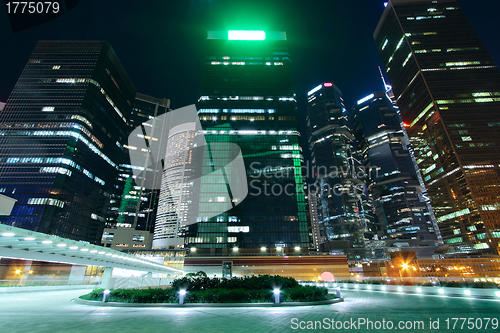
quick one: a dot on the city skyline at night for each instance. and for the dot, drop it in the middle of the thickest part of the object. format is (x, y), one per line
(264, 166)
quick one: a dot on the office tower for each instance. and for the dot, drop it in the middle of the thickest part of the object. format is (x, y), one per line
(176, 189)
(247, 98)
(343, 208)
(447, 88)
(133, 205)
(61, 132)
(393, 184)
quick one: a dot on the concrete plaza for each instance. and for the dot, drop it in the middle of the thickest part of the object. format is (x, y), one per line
(53, 311)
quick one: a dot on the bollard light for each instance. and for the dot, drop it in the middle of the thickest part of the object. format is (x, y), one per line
(276, 293)
(400, 289)
(467, 292)
(105, 295)
(338, 292)
(441, 291)
(497, 293)
(182, 296)
(419, 290)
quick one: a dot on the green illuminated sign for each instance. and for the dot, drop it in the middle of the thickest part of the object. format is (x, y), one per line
(246, 35)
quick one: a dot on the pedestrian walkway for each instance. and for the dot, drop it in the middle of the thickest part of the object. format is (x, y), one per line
(53, 311)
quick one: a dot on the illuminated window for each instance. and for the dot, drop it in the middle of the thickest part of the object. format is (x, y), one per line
(385, 44)
(400, 42)
(138, 238)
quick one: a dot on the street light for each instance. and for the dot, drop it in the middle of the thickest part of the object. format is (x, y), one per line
(405, 267)
(19, 272)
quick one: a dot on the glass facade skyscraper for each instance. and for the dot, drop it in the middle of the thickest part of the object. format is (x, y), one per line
(393, 184)
(61, 137)
(132, 204)
(344, 211)
(248, 98)
(447, 88)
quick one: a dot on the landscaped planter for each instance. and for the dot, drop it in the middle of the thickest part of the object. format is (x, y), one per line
(263, 290)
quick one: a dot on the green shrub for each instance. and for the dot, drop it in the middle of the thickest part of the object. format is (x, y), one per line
(201, 289)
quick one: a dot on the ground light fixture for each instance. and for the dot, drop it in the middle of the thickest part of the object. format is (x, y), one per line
(276, 293)
(338, 292)
(182, 296)
(105, 295)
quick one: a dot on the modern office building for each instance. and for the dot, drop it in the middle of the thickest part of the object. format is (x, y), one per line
(61, 133)
(403, 216)
(248, 98)
(133, 205)
(176, 189)
(343, 208)
(447, 88)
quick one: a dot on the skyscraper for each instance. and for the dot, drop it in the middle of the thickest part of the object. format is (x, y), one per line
(60, 137)
(133, 205)
(448, 91)
(343, 208)
(247, 98)
(393, 184)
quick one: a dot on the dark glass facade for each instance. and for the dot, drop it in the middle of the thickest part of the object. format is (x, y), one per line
(61, 134)
(398, 198)
(248, 98)
(132, 205)
(448, 90)
(344, 211)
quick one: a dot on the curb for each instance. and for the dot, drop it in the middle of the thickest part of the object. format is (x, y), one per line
(45, 288)
(204, 305)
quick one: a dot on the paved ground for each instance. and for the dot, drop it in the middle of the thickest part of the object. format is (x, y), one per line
(53, 311)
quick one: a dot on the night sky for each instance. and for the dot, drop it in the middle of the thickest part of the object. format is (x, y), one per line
(160, 43)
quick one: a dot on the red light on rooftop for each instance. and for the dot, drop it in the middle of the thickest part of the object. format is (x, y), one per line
(327, 84)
